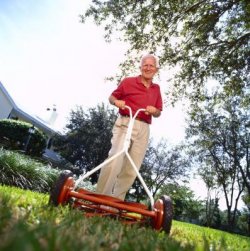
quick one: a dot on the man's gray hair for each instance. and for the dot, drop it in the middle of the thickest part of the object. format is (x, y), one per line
(151, 56)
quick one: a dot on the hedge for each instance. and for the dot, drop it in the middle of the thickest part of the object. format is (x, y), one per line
(14, 135)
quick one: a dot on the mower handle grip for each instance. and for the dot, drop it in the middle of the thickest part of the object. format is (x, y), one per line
(130, 111)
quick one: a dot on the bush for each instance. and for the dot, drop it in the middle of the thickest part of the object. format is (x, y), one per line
(21, 171)
(14, 135)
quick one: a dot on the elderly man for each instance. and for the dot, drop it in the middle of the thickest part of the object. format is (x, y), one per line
(117, 177)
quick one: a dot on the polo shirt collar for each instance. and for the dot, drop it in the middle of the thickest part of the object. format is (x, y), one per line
(138, 80)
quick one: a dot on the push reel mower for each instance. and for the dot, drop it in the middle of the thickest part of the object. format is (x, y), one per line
(67, 191)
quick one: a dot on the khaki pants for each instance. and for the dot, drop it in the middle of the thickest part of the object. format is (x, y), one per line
(118, 176)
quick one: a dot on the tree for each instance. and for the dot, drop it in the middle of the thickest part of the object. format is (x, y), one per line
(211, 216)
(200, 39)
(245, 218)
(162, 164)
(219, 129)
(186, 206)
(87, 140)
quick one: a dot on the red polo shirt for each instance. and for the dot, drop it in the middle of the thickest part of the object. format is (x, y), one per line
(137, 96)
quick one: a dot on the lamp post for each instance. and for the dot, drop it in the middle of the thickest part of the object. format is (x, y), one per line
(31, 132)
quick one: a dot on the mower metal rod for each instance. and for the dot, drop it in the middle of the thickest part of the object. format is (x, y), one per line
(130, 216)
(114, 204)
(89, 173)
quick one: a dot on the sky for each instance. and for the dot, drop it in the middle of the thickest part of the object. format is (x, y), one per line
(47, 57)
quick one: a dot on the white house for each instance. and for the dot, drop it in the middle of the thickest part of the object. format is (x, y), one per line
(9, 110)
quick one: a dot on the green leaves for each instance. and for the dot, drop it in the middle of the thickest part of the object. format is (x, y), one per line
(87, 140)
(21, 171)
(212, 38)
(14, 135)
(218, 128)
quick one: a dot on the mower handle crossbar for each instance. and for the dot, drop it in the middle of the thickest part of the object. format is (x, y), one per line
(123, 151)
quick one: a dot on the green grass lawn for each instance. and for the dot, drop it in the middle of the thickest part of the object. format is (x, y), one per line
(27, 223)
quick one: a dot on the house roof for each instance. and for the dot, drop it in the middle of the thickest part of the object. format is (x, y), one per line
(7, 95)
(36, 121)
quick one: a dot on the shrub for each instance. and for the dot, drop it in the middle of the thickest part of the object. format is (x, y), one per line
(14, 135)
(21, 171)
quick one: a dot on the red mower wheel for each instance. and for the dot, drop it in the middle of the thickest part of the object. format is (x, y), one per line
(164, 210)
(168, 213)
(59, 193)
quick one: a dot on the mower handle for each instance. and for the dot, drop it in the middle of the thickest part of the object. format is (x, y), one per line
(124, 150)
(126, 147)
(137, 112)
